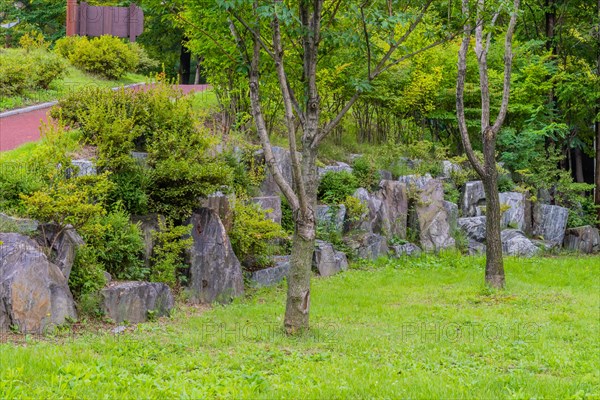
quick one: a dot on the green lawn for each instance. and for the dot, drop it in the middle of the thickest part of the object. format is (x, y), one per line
(73, 80)
(426, 328)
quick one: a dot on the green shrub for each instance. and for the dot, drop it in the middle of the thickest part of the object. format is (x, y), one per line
(169, 251)
(45, 68)
(118, 245)
(65, 46)
(107, 56)
(366, 173)
(251, 233)
(131, 189)
(87, 275)
(145, 64)
(336, 186)
(13, 74)
(355, 209)
(287, 216)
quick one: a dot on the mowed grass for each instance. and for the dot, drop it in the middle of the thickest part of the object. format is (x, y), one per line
(426, 328)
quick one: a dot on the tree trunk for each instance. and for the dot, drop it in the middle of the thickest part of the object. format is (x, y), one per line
(578, 166)
(185, 60)
(494, 264)
(303, 246)
(197, 76)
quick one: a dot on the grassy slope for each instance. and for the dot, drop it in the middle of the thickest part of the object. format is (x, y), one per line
(73, 80)
(424, 330)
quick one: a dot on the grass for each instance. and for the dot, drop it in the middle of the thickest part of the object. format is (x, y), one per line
(422, 328)
(73, 80)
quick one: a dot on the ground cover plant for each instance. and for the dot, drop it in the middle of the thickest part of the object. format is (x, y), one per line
(432, 331)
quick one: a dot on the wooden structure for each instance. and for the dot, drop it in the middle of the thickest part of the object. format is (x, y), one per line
(86, 20)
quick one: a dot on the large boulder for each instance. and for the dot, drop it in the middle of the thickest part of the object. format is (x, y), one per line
(518, 215)
(515, 243)
(431, 218)
(406, 249)
(327, 260)
(15, 224)
(364, 222)
(272, 204)
(34, 294)
(448, 168)
(550, 223)
(584, 239)
(472, 199)
(366, 245)
(64, 244)
(148, 224)
(283, 161)
(331, 217)
(273, 275)
(221, 204)
(474, 227)
(133, 301)
(391, 216)
(385, 175)
(337, 167)
(452, 210)
(215, 271)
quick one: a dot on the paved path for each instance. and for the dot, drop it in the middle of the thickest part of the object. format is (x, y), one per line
(22, 126)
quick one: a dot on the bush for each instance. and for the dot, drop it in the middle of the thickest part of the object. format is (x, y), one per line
(65, 46)
(366, 173)
(336, 186)
(45, 68)
(87, 274)
(13, 74)
(107, 56)
(251, 233)
(145, 64)
(118, 245)
(169, 251)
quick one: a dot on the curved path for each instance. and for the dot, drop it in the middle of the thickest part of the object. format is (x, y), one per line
(23, 125)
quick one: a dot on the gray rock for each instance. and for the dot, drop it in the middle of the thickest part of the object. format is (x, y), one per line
(385, 175)
(544, 196)
(448, 168)
(518, 216)
(550, 223)
(515, 243)
(584, 239)
(392, 213)
(131, 301)
(452, 210)
(283, 161)
(431, 218)
(338, 167)
(327, 260)
(331, 217)
(364, 222)
(84, 167)
(34, 294)
(473, 196)
(474, 227)
(215, 271)
(148, 224)
(17, 225)
(407, 249)
(367, 245)
(475, 247)
(415, 182)
(107, 277)
(273, 275)
(140, 157)
(221, 204)
(64, 246)
(271, 203)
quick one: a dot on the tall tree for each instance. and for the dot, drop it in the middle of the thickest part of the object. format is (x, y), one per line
(289, 37)
(494, 267)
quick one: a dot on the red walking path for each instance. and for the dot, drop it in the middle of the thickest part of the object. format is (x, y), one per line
(21, 126)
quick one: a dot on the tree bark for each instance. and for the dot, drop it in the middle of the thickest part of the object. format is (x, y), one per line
(185, 60)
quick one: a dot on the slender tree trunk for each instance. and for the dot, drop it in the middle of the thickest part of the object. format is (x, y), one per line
(185, 60)
(578, 166)
(494, 263)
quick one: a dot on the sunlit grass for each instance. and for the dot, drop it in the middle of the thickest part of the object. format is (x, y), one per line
(422, 328)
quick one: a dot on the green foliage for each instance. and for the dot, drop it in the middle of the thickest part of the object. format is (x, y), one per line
(87, 276)
(248, 173)
(366, 173)
(355, 209)
(131, 189)
(287, 216)
(65, 46)
(28, 70)
(251, 233)
(145, 64)
(107, 56)
(33, 41)
(118, 245)
(335, 187)
(169, 251)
